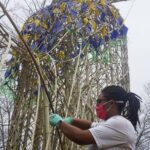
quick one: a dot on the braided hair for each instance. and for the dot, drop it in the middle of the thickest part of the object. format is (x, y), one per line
(128, 103)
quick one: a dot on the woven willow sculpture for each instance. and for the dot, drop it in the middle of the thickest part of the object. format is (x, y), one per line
(80, 47)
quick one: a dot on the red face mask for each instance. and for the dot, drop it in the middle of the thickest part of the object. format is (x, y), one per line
(101, 112)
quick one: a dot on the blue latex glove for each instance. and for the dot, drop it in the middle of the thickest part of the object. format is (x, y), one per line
(54, 119)
(68, 120)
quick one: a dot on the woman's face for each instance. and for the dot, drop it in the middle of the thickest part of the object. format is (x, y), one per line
(108, 106)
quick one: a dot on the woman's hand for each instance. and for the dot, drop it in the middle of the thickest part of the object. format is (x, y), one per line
(54, 119)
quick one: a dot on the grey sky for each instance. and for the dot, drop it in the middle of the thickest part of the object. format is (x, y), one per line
(138, 23)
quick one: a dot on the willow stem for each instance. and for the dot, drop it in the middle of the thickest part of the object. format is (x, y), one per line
(34, 62)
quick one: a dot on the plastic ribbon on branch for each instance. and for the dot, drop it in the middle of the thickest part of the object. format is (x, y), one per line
(94, 21)
(55, 29)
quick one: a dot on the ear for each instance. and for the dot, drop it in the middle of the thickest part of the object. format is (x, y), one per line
(112, 102)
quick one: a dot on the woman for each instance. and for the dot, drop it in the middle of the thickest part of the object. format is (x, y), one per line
(118, 109)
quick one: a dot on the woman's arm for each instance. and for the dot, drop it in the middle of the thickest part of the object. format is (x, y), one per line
(81, 123)
(75, 134)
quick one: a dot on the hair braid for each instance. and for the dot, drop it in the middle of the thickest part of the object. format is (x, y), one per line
(132, 108)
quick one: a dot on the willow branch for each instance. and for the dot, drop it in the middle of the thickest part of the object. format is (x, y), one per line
(115, 1)
(33, 60)
(30, 53)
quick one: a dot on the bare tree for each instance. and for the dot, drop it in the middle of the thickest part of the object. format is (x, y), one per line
(6, 106)
(143, 141)
(5, 2)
